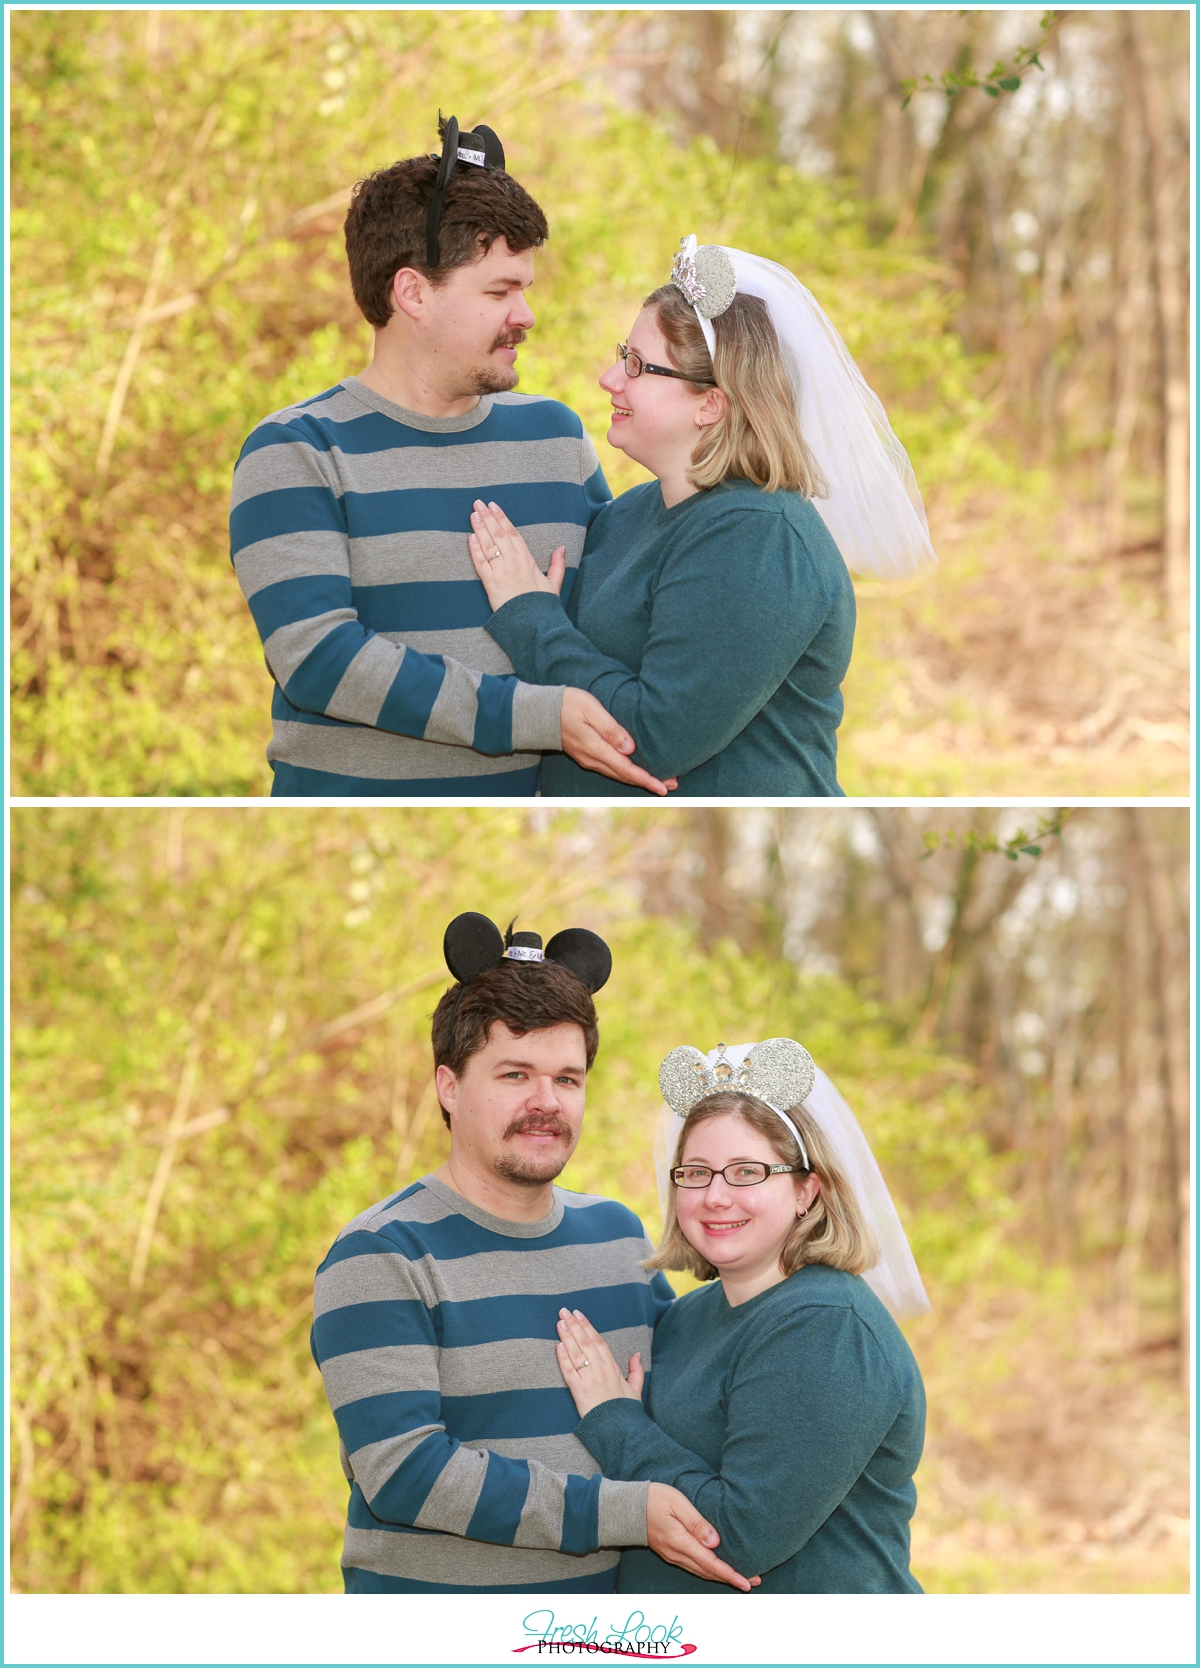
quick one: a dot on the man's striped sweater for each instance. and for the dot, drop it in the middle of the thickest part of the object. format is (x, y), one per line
(435, 1334)
(348, 530)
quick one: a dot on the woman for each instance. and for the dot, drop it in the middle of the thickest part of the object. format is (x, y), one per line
(713, 614)
(784, 1400)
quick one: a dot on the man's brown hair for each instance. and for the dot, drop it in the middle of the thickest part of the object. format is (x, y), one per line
(386, 225)
(526, 996)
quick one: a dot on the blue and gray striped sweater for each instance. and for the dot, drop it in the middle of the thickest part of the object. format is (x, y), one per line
(348, 531)
(435, 1334)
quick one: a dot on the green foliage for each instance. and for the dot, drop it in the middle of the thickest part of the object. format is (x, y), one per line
(246, 994)
(1014, 846)
(176, 206)
(1001, 78)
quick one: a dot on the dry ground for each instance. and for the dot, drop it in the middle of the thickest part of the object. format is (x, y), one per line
(1060, 1466)
(1028, 664)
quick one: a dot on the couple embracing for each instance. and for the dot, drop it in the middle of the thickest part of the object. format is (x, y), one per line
(451, 602)
(523, 1404)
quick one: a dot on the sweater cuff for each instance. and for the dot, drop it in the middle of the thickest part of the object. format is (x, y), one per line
(518, 621)
(623, 1512)
(537, 718)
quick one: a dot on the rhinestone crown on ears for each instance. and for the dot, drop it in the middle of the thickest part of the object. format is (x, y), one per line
(777, 1071)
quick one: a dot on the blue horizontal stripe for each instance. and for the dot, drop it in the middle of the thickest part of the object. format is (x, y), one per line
(428, 604)
(366, 1581)
(272, 515)
(409, 702)
(423, 605)
(289, 601)
(297, 782)
(509, 1413)
(407, 1489)
(306, 431)
(313, 682)
(453, 1236)
(497, 1513)
(372, 515)
(489, 1320)
(374, 1418)
(355, 1326)
(581, 1514)
(493, 715)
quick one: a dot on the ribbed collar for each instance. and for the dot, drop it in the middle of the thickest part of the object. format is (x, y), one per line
(417, 419)
(496, 1224)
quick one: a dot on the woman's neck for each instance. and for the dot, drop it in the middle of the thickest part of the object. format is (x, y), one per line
(740, 1288)
(675, 486)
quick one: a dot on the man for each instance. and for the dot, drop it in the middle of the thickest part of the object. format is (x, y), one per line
(351, 510)
(436, 1317)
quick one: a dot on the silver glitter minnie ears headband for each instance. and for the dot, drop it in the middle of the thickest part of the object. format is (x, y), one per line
(706, 277)
(778, 1072)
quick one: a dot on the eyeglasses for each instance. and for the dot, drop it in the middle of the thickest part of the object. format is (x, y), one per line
(634, 366)
(745, 1174)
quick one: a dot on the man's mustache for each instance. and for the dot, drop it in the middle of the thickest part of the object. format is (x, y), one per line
(542, 1123)
(509, 339)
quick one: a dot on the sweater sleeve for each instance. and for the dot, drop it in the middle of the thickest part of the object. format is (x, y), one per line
(811, 1402)
(375, 1343)
(291, 551)
(732, 613)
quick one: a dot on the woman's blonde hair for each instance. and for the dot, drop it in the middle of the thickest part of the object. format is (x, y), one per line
(758, 438)
(834, 1232)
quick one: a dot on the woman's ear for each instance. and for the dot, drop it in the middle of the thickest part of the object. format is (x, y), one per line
(711, 408)
(807, 1188)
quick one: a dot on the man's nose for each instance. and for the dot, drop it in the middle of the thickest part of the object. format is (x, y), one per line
(544, 1094)
(520, 316)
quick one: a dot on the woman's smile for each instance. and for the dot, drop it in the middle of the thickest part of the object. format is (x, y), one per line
(724, 1227)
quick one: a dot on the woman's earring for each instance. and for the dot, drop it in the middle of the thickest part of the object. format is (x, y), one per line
(803, 1211)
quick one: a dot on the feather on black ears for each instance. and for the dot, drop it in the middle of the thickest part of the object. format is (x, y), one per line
(480, 148)
(473, 944)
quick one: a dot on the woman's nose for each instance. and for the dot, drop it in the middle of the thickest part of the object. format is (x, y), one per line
(613, 379)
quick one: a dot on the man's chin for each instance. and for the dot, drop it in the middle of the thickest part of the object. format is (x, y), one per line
(494, 379)
(532, 1171)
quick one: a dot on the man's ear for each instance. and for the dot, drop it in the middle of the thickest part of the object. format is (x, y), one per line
(447, 1088)
(711, 408)
(410, 291)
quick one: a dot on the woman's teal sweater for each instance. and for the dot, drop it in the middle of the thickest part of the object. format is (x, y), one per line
(717, 632)
(793, 1422)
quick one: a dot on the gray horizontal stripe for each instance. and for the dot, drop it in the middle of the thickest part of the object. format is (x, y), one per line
(401, 558)
(563, 1268)
(451, 1561)
(296, 463)
(363, 687)
(353, 750)
(382, 1277)
(290, 646)
(493, 463)
(537, 716)
(471, 645)
(456, 707)
(374, 1464)
(421, 1206)
(567, 1268)
(293, 556)
(524, 1363)
(450, 1503)
(564, 1453)
(380, 1372)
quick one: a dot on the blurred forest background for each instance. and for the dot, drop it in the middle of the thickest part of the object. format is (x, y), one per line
(220, 1055)
(1008, 263)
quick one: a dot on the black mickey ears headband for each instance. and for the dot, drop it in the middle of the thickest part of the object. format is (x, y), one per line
(481, 148)
(473, 944)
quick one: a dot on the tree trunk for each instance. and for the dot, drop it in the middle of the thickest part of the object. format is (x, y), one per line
(1165, 199)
